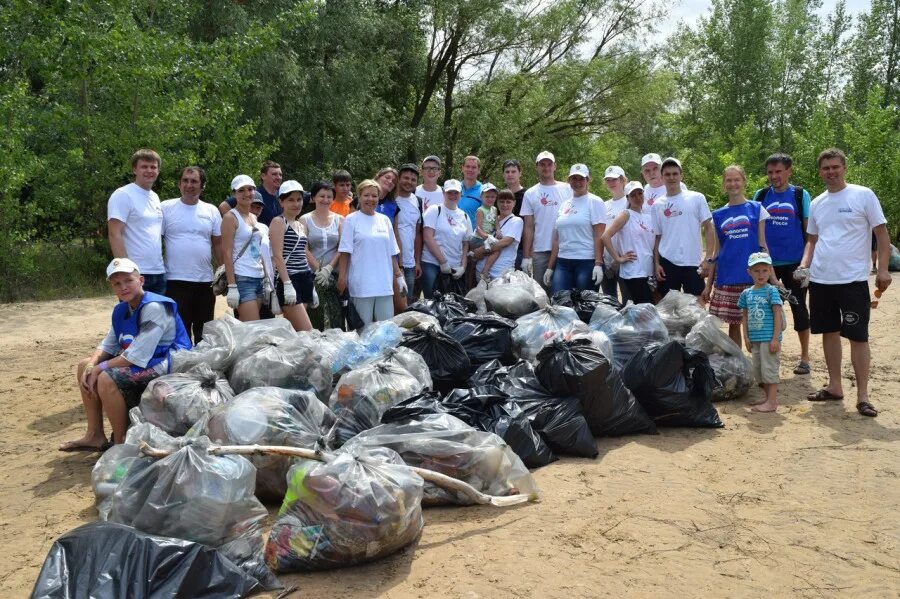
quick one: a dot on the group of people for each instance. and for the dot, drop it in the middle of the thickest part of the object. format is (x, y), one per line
(328, 259)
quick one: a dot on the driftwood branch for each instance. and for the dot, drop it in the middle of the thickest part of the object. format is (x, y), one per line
(441, 480)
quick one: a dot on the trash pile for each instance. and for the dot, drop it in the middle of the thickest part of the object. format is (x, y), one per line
(450, 402)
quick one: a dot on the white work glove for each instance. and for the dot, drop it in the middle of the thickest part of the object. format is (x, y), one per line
(445, 268)
(458, 271)
(488, 242)
(315, 302)
(290, 295)
(402, 286)
(527, 267)
(234, 297)
(323, 276)
(801, 275)
(548, 276)
(597, 276)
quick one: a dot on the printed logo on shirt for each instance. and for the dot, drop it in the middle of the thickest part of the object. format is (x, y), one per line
(125, 340)
(451, 221)
(847, 210)
(672, 211)
(781, 213)
(736, 227)
(567, 209)
(644, 227)
(546, 200)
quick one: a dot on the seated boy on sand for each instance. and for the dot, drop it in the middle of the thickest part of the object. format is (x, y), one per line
(145, 328)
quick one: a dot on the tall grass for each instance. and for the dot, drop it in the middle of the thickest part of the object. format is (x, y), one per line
(46, 271)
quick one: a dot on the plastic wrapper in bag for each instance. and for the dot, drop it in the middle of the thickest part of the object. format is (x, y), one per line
(362, 395)
(297, 363)
(476, 296)
(674, 385)
(270, 416)
(409, 360)
(117, 461)
(342, 348)
(707, 336)
(216, 349)
(534, 331)
(378, 337)
(558, 420)
(103, 559)
(510, 301)
(447, 445)
(634, 327)
(199, 497)
(416, 320)
(446, 358)
(175, 402)
(680, 311)
(444, 306)
(484, 337)
(734, 376)
(361, 506)
(602, 313)
(584, 301)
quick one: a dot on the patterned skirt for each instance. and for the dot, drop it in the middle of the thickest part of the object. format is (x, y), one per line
(724, 302)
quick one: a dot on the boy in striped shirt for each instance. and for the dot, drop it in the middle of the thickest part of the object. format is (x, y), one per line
(763, 322)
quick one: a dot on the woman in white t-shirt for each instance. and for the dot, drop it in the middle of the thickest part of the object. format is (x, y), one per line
(445, 234)
(500, 248)
(368, 267)
(576, 259)
(242, 240)
(635, 236)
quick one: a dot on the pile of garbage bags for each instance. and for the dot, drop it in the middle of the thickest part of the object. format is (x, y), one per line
(445, 444)
(175, 402)
(362, 505)
(196, 496)
(630, 329)
(269, 416)
(484, 337)
(585, 301)
(294, 363)
(535, 330)
(680, 312)
(445, 356)
(733, 369)
(444, 306)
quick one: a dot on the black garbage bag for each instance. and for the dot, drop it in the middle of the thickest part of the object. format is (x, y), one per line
(558, 420)
(489, 409)
(445, 306)
(446, 358)
(103, 559)
(584, 301)
(415, 408)
(485, 337)
(194, 495)
(674, 385)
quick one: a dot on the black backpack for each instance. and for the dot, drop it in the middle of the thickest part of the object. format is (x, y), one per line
(798, 204)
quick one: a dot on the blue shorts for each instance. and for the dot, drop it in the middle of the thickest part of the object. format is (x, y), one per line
(250, 288)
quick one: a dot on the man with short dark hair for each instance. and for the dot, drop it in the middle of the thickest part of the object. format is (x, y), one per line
(343, 192)
(512, 176)
(788, 208)
(271, 176)
(134, 221)
(835, 265)
(409, 227)
(678, 218)
(540, 207)
(192, 230)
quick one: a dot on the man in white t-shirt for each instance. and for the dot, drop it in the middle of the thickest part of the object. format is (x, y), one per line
(836, 264)
(409, 226)
(192, 230)
(678, 218)
(655, 187)
(540, 206)
(429, 192)
(134, 220)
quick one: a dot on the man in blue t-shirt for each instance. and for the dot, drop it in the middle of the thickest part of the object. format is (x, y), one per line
(788, 208)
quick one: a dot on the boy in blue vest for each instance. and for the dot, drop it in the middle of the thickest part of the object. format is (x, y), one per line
(763, 318)
(145, 329)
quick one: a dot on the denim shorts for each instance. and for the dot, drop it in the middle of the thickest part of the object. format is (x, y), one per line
(250, 288)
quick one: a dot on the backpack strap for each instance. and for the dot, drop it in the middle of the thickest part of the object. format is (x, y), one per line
(798, 208)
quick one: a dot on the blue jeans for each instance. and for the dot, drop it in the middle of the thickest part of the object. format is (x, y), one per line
(572, 274)
(430, 273)
(249, 288)
(155, 283)
(409, 273)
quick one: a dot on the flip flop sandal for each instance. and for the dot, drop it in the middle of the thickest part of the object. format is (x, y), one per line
(866, 409)
(824, 395)
(802, 368)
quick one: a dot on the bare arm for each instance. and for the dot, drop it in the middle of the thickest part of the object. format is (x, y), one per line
(216, 241)
(224, 208)
(883, 278)
(229, 228)
(599, 228)
(479, 221)
(276, 239)
(660, 273)
(344, 266)
(337, 256)
(710, 234)
(554, 251)
(528, 236)
(117, 238)
(809, 250)
(418, 250)
(611, 232)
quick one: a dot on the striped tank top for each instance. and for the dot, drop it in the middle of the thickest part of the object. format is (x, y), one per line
(294, 250)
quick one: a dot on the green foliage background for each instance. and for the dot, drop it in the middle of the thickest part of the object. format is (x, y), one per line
(360, 84)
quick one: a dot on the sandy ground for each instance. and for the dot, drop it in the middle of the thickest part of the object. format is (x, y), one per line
(801, 503)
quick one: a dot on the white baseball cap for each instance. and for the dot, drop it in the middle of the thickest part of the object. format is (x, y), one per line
(452, 185)
(545, 155)
(488, 187)
(289, 186)
(242, 181)
(671, 160)
(613, 172)
(579, 170)
(631, 186)
(651, 157)
(121, 265)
